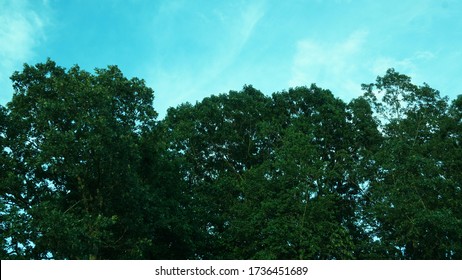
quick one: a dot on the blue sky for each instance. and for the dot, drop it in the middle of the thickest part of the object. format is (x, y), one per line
(189, 49)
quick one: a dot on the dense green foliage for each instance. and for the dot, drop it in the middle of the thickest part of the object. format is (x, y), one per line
(87, 172)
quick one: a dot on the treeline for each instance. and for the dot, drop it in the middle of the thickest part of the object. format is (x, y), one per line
(88, 172)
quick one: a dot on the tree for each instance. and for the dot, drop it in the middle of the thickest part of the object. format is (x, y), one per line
(216, 142)
(272, 177)
(305, 194)
(75, 150)
(414, 200)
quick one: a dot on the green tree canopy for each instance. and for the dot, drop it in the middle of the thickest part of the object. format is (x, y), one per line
(415, 195)
(87, 172)
(274, 177)
(76, 149)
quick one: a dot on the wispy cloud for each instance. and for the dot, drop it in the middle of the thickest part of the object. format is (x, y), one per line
(329, 65)
(22, 29)
(233, 26)
(238, 31)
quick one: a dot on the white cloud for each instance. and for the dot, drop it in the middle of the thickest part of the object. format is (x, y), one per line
(21, 30)
(330, 66)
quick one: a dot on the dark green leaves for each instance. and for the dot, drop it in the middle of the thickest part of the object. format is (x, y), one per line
(414, 199)
(87, 172)
(73, 147)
